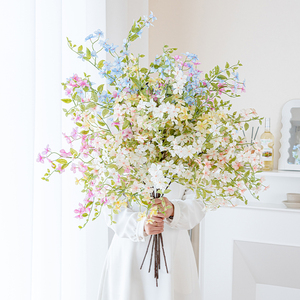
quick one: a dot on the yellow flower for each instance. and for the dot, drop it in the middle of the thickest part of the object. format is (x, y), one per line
(153, 211)
(77, 181)
(222, 115)
(141, 216)
(119, 203)
(201, 125)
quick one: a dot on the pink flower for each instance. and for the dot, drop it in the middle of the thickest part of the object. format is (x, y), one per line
(81, 210)
(76, 77)
(73, 83)
(82, 168)
(69, 91)
(115, 94)
(63, 153)
(127, 133)
(69, 141)
(221, 88)
(177, 57)
(40, 158)
(73, 168)
(47, 149)
(196, 63)
(83, 83)
(74, 133)
(59, 169)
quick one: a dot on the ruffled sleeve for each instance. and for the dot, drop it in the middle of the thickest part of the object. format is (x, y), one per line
(188, 211)
(127, 224)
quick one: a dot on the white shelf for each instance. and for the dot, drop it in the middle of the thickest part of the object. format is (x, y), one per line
(266, 206)
(276, 173)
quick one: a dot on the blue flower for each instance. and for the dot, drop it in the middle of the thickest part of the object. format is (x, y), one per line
(117, 72)
(125, 82)
(112, 48)
(236, 76)
(139, 33)
(151, 17)
(99, 33)
(104, 44)
(94, 54)
(89, 37)
(102, 97)
(102, 73)
(191, 56)
(110, 79)
(81, 55)
(80, 92)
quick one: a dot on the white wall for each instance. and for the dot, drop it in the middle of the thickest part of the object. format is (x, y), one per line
(262, 34)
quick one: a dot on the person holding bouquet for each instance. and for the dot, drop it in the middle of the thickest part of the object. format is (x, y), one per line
(122, 277)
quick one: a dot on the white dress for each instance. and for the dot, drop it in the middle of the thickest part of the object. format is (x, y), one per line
(122, 278)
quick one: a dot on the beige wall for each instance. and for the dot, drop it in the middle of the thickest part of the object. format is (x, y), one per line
(263, 34)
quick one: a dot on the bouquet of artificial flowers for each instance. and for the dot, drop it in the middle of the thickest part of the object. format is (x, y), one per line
(154, 126)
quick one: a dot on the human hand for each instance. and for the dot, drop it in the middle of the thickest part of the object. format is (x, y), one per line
(155, 226)
(162, 207)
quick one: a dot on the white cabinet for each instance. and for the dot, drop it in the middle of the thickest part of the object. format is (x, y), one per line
(253, 252)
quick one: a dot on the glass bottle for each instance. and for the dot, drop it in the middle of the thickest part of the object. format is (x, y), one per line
(267, 144)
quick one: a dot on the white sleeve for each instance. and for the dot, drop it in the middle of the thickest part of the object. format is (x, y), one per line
(188, 211)
(127, 224)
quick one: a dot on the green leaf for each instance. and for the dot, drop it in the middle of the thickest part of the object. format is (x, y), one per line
(94, 97)
(100, 88)
(66, 100)
(78, 124)
(89, 204)
(133, 37)
(222, 77)
(73, 152)
(101, 63)
(144, 70)
(125, 124)
(84, 132)
(91, 105)
(246, 126)
(88, 54)
(135, 81)
(227, 65)
(80, 48)
(64, 166)
(85, 215)
(61, 161)
(105, 112)
(101, 123)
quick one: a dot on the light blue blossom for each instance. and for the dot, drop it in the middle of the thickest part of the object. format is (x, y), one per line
(94, 54)
(191, 56)
(151, 17)
(81, 55)
(117, 72)
(89, 37)
(236, 76)
(80, 92)
(99, 33)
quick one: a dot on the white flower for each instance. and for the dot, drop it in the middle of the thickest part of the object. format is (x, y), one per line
(151, 105)
(142, 105)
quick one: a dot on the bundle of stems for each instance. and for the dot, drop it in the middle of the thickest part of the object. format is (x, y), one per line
(156, 248)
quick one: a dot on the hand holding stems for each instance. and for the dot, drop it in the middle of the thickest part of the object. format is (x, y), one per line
(157, 225)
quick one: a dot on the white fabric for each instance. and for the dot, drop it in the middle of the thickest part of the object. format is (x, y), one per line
(122, 278)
